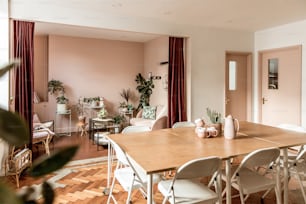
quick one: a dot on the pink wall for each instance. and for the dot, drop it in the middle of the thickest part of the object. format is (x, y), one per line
(96, 67)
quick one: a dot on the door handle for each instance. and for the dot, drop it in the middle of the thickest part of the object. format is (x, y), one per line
(227, 100)
(264, 100)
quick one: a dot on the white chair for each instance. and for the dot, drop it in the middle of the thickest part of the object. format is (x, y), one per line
(129, 175)
(183, 124)
(296, 128)
(297, 169)
(250, 175)
(132, 129)
(186, 186)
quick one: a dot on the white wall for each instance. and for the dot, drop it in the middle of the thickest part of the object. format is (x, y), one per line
(282, 36)
(156, 51)
(4, 81)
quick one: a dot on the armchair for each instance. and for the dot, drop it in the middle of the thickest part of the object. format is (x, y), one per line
(159, 122)
(42, 132)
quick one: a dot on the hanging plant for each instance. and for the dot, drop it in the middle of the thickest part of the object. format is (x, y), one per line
(55, 86)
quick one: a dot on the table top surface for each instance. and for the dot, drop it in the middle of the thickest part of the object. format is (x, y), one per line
(166, 149)
(102, 119)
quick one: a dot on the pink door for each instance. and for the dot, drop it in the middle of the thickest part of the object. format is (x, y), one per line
(281, 86)
(236, 85)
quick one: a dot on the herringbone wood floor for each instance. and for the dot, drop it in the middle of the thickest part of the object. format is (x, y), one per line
(86, 183)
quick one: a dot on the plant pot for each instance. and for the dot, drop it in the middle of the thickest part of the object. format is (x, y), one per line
(218, 127)
(61, 108)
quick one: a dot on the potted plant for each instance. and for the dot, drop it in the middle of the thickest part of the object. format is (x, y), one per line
(215, 119)
(61, 103)
(57, 87)
(102, 113)
(126, 95)
(145, 88)
(118, 120)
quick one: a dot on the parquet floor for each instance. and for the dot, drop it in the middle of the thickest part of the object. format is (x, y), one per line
(85, 184)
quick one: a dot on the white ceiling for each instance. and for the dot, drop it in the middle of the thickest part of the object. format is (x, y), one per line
(245, 15)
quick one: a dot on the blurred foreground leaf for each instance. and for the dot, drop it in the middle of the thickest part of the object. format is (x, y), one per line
(7, 67)
(8, 195)
(13, 128)
(55, 161)
(48, 193)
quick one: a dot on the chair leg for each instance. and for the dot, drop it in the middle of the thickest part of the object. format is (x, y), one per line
(110, 195)
(301, 186)
(17, 180)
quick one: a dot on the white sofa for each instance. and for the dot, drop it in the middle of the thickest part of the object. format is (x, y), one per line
(159, 122)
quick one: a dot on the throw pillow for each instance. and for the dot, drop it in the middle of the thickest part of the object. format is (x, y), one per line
(149, 112)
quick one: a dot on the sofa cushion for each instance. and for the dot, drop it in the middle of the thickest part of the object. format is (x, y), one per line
(149, 112)
(141, 122)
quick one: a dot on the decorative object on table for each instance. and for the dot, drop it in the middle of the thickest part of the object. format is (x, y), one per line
(231, 127)
(144, 88)
(215, 119)
(206, 132)
(102, 113)
(200, 123)
(57, 87)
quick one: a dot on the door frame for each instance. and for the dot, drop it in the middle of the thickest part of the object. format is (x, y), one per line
(260, 53)
(249, 92)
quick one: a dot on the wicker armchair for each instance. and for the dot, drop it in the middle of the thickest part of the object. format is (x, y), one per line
(17, 161)
(42, 132)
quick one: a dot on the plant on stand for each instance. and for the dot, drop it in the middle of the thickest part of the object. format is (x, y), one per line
(57, 87)
(145, 88)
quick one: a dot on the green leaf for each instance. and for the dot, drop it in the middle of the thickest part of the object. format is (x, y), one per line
(7, 67)
(8, 195)
(45, 165)
(48, 193)
(13, 128)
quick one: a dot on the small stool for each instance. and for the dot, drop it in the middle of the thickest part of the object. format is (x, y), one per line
(82, 126)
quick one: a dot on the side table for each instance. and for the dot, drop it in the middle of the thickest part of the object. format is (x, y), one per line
(103, 124)
(61, 115)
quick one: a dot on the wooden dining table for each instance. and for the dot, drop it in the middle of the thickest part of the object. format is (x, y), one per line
(167, 149)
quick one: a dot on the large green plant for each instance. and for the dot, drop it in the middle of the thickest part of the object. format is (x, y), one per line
(14, 131)
(145, 88)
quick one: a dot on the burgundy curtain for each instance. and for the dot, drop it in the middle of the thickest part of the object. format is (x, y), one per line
(24, 82)
(176, 82)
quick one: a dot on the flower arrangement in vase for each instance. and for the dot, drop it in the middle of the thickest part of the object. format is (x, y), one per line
(102, 113)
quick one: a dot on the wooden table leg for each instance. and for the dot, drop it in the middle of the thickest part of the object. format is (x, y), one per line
(228, 181)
